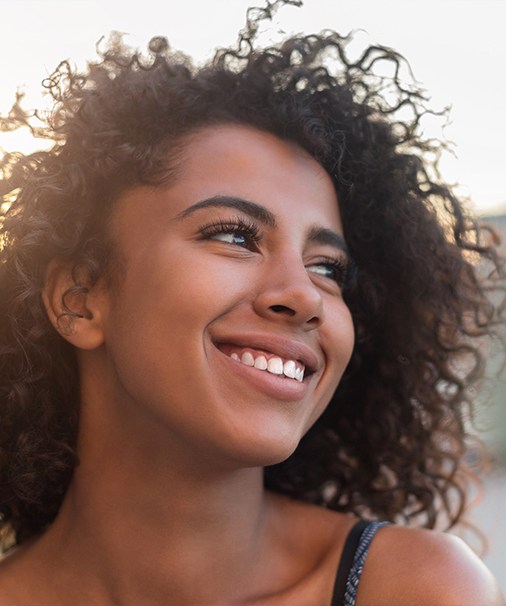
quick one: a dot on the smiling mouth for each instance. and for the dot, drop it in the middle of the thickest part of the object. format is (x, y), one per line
(267, 362)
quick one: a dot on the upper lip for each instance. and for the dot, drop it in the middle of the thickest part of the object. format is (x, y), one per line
(281, 346)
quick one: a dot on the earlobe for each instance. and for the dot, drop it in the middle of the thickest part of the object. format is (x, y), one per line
(74, 307)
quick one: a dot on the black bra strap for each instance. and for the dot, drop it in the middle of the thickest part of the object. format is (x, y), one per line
(346, 562)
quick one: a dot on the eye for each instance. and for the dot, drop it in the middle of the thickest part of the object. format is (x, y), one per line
(337, 269)
(237, 232)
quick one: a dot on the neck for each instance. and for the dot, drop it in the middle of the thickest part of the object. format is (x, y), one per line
(163, 534)
(141, 514)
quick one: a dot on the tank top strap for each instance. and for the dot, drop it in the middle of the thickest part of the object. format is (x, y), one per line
(352, 562)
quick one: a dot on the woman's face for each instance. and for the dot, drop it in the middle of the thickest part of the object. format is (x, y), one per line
(236, 266)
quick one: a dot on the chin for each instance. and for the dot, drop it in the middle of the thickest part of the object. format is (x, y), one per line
(266, 450)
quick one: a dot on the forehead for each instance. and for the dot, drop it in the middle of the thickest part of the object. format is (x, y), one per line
(247, 146)
(241, 160)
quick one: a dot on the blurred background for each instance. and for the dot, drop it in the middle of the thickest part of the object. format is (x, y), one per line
(457, 51)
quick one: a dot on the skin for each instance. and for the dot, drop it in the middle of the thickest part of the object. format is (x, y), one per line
(167, 504)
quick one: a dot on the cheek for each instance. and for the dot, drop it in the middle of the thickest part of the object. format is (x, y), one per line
(168, 298)
(339, 340)
(183, 280)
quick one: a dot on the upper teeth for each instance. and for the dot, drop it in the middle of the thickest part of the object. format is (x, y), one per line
(274, 365)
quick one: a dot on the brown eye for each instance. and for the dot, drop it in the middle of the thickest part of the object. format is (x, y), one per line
(235, 233)
(231, 237)
(337, 270)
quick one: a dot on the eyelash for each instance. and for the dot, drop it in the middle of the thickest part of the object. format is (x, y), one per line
(343, 269)
(238, 226)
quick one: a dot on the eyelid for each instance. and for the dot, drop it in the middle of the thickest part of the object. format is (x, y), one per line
(342, 264)
(340, 260)
(245, 227)
(231, 223)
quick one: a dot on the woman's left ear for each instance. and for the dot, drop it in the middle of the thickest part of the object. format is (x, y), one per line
(75, 308)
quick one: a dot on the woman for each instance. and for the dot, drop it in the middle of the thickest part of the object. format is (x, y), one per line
(238, 314)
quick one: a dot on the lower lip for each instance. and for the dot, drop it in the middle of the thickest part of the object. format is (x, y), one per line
(274, 386)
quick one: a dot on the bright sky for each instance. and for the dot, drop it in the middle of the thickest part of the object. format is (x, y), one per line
(457, 49)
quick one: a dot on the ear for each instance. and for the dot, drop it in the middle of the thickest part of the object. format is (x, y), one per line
(75, 308)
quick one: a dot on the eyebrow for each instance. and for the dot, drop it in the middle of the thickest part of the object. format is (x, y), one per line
(316, 234)
(322, 235)
(245, 206)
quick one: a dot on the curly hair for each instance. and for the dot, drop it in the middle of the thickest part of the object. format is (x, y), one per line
(391, 442)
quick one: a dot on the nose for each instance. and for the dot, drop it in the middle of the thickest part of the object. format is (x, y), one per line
(287, 293)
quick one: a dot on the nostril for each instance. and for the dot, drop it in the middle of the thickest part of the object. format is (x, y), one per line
(314, 321)
(283, 309)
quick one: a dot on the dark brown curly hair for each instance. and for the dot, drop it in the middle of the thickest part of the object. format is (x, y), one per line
(392, 440)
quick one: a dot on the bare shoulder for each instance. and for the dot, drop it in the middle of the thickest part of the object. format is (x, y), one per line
(416, 567)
